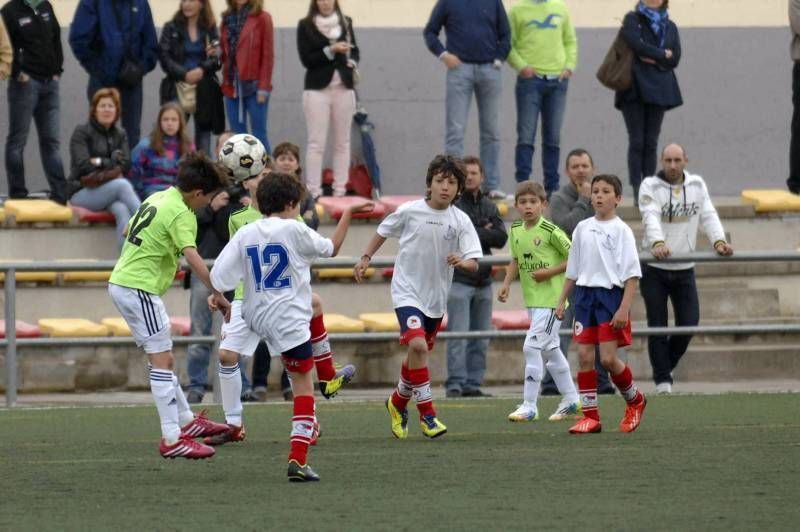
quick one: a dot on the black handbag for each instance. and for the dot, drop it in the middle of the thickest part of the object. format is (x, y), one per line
(210, 112)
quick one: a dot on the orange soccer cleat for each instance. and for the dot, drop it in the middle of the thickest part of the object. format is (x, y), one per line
(586, 425)
(633, 416)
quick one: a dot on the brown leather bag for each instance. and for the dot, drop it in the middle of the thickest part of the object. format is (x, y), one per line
(97, 177)
(616, 70)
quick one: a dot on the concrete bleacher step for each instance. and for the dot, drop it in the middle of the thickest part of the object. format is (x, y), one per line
(705, 362)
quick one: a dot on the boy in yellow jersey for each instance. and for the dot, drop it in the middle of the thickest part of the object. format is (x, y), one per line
(539, 251)
(162, 229)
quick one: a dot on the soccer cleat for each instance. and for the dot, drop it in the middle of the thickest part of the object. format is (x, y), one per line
(399, 420)
(566, 411)
(201, 426)
(232, 435)
(523, 413)
(586, 425)
(343, 376)
(298, 473)
(633, 416)
(185, 447)
(431, 426)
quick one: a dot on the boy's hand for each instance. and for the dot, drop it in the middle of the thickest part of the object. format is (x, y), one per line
(360, 268)
(502, 294)
(365, 206)
(560, 310)
(217, 301)
(541, 275)
(453, 260)
(620, 319)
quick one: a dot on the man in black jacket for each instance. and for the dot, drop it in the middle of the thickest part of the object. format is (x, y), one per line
(33, 93)
(469, 304)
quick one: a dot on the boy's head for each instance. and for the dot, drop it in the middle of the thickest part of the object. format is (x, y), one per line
(286, 157)
(198, 179)
(445, 180)
(279, 192)
(250, 184)
(530, 199)
(606, 194)
(474, 174)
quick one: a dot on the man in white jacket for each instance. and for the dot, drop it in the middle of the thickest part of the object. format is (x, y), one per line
(673, 204)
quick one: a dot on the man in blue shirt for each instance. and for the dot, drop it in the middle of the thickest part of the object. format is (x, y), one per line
(478, 41)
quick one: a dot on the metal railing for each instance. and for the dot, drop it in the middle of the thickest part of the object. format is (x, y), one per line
(10, 343)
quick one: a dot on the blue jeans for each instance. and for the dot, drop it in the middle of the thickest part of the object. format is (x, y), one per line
(486, 82)
(537, 96)
(36, 101)
(131, 108)
(116, 196)
(198, 355)
(238, 109)
(469, 308)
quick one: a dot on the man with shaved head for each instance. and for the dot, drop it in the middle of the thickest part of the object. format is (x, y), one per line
(673, 204)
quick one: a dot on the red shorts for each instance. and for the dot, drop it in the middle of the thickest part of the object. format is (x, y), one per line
(415, 324)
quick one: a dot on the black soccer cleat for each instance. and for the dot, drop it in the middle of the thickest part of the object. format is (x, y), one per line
(298, 473)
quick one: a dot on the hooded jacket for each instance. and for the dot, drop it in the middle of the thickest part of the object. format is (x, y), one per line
(672, 214)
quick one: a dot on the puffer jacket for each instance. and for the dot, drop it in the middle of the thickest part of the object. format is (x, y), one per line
(93, 140)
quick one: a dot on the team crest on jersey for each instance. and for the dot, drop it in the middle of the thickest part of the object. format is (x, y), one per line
(413, 322)
(578, 328)
(537, 241)
(451, 233)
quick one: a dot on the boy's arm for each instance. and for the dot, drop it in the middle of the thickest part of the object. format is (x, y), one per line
(344, 224)
(199, 268)
(372, 248)
(467, 265)
(511, 274)
(621, 317)
(569, 284)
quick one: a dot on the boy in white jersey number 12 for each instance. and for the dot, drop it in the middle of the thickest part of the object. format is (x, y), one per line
(273, 256)
(434, 237)
(604, 266)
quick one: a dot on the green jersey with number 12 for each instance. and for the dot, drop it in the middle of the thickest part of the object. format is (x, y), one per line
(157, 235)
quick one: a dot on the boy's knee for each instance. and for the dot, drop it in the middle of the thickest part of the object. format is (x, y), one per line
(228, 358)
(316, 304)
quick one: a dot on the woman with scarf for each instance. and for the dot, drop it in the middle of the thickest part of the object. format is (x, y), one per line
(656, 45)
(247, 60)
(328, 50)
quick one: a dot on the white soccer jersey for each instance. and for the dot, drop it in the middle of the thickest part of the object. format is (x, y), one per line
(273, 256)
(422, 277)
(603, 254)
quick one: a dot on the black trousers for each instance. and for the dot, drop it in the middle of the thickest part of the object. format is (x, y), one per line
(657, 287)
(643, 122)
(794, 145)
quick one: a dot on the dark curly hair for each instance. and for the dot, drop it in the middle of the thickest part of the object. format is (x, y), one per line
(447, 165)
(277, 191)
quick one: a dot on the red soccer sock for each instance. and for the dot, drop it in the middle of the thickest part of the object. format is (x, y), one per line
(302, 428)
(628, 388)
(402, 394)
(321, 348)
(587, 388)
(421, 385)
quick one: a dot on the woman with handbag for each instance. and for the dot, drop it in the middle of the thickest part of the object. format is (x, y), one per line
(188, 52)
(247, 59)
(327, 47)
(654, 90)
(99, 160)
(154, 161)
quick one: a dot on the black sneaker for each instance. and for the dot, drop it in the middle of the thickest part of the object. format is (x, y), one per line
(194, 397)
(249, 397)
(477, 392)
(298, 473)
(452, 393)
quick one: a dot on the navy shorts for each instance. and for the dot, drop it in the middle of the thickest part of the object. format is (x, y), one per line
(413, 324)
(299, 359)
(594, 309)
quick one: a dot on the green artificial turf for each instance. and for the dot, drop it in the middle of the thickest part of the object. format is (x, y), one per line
(696, 463)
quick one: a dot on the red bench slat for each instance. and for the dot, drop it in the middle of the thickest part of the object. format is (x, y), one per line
(510, 319)
(24, 329)
(336, 206)
(391, 203)
(93, 217)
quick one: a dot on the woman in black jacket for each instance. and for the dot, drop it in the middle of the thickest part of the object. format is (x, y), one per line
(655, 42)
(328, 50)
(189, 51)
(100, 157)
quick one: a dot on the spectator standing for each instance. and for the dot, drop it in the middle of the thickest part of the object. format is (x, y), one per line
(544, 52)
(154, 161)
(568, 206)
(33, 93)
(188, 51)
(794, 147)
(478, 41)
(6, 52)
(99, 160)
(673, 204)
(247, 61)
(115, 42)
(469, 302)
(656, 44)
(328, 50)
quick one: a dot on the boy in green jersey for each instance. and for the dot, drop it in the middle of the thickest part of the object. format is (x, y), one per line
(539, 250)
(162, 229)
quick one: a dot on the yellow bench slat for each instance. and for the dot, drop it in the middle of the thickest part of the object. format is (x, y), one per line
(68, 327)
(26, 211)
(117, 326)
(338, 323)
(85, 277)
(380, 321)
(341, 273)
(771, 200)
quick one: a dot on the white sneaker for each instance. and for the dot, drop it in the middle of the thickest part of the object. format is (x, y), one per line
(663, 388)
(566, 410)
(523, 413)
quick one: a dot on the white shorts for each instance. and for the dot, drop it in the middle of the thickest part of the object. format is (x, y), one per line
(146, 317)
(543, 332)
(236, 336)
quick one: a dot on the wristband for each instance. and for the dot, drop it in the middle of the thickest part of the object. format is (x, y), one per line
(659, 243)
(369, 257)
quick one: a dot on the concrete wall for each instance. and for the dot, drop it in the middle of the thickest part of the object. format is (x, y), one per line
(735, 123)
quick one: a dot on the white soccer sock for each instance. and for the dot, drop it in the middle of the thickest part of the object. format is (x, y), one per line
(164, 396)
(533, 374)
(230, 384)
(558, 367)
(185, 414)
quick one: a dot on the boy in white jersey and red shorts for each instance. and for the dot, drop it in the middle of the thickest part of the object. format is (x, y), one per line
(604, 265)
(435, 237)
(273, 256)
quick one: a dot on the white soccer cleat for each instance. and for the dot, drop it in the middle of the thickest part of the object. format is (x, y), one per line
(523, 413)
(566, 410)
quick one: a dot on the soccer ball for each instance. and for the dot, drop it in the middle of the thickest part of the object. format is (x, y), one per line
(244, 156)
